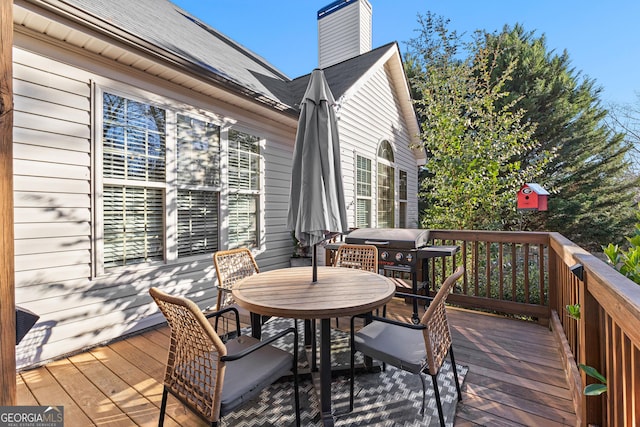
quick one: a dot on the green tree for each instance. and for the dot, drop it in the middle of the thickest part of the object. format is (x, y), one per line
(472, 135)
(592, 189)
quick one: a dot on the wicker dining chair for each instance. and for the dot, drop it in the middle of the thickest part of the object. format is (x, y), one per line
(417, 349)
(232, 265)
(213, 378)
(362, 257)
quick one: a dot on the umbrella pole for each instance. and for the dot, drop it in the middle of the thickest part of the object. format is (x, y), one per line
(314, 261)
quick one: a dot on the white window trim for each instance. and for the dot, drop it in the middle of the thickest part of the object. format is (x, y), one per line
(97, 205)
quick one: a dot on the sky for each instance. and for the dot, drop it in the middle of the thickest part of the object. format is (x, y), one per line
(602, 38)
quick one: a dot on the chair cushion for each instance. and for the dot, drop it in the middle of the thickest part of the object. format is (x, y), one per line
(245, 378)
(401, 347)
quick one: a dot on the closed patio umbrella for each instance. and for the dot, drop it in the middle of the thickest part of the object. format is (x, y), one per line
(316, 202)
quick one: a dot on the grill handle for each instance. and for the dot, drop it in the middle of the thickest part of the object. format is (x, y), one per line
(376, 242)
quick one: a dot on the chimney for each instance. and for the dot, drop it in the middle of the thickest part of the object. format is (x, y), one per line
(344, 31)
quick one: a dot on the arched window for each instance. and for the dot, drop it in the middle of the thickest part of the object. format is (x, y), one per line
(386, 186)
(385, 151)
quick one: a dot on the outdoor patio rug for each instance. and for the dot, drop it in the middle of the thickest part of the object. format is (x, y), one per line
(389, 398)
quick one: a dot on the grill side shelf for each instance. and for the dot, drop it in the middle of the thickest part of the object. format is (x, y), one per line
(438, 251)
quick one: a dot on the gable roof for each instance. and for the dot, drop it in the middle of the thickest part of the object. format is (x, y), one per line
(342, 75)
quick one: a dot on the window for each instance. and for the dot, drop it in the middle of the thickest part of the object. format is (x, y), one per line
(198, 165)
(386, 186)
(244, 189)
(385, 151)
(402, 195)
(363, 192)
(134, 171)
(386, 196)
(137, 184)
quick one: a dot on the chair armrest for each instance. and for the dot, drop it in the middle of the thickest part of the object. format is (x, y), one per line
(406, 295)
(398, 323)
(219, 313)
(259, 345)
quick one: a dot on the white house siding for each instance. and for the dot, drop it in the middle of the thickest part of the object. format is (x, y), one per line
(366, 117)
(277, 186)
(344, 34)
(54, 224)
(366, 13)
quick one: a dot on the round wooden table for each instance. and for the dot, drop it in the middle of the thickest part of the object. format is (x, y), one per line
(290, 292)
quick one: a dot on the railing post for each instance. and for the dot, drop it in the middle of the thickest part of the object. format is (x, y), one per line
(590, 352)
(7, 270)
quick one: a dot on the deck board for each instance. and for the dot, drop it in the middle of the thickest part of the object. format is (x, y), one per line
(118, 392)
(46, 390)
(515, 377)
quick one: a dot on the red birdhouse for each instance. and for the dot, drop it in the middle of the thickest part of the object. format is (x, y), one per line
(532, 197)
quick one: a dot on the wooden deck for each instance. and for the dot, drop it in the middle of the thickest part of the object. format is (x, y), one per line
(515, 377)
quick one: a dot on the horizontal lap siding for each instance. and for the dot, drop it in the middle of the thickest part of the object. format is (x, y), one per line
(54, 216)
(52, 184)
(279, 245)
(371, 115)
(52, 172)
(339, 36)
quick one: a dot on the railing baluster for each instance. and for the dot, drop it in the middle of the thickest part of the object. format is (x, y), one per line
(476, 266)
(487, 247)
(501, 269)
(514, 272)
(465, 281)
(541, 274)
(525, 266)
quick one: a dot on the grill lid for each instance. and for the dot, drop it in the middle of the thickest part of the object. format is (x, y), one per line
(400, 238)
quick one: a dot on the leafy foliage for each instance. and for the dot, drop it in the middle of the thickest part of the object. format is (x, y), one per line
(473, 137)
(589, 178)
(573, 310)
(626, 261)
(594, 389)
(502, 110)
(590, 389)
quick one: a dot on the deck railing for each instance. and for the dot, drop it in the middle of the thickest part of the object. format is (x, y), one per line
(505, 272)
(535, 276)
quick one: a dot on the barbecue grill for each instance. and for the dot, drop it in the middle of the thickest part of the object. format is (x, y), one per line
(402, 249)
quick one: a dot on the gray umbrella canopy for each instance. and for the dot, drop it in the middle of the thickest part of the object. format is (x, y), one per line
(316, 202)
